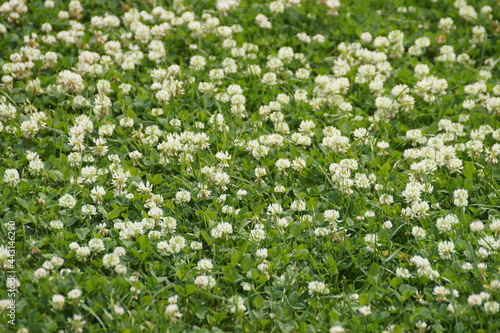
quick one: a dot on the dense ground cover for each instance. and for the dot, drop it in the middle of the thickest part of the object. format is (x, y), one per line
(293, 166)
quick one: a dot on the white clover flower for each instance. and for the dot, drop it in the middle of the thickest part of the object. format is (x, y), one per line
(491, 307)
(366, 37)
(495, 225)
(56, 224)
(222, 229)
(96, 244)
(302, 74)
(197, 63)
(331, 215)
(421, 325)
(263, 22)
(73, 246)
(89, 210)
(317, 288)
(204, 282)
(403, 273)
(336, 329)
(119, 311)
(119, 251)
(226, 209)
(257, 234)
(11, 177)
(321, 232)
(126, 122)
(67, 201)
(74, 293)
(110, 260)
(261, 253)
(155, 213)
(371, 242)
(120, 269)
(468, 13)
(387, 225)
(369, 213)
(440, 292)
(424, 267)
(196, 246)
(135, 155)
(204, 265)
(236, 304)
(262, 266)
(495, 284)
(283, 164)
(246, 286)
(445, 224)
(446, 24)
(41, 273)
(48, 265)
(57, 261)
(58, 301)
(71, 81)
(474, 300)
(274, 209)
(241, 193)
(282, 222)
(365, 310)
(182, 196)
(467, 266)
(172, 311)
(386, 199)
(460, 198)
(446, 249)
(418, 232)
(298, 205)
(177, 243)
(490, 243)
(476, 226)
(269, 79)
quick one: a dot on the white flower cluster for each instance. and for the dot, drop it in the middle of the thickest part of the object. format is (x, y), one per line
(236, 304)
(222, 230)
(317, 288)
(424, 267)
(173, 246)
(134, 118)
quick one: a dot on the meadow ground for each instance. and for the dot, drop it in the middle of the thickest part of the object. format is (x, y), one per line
(245, 166)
